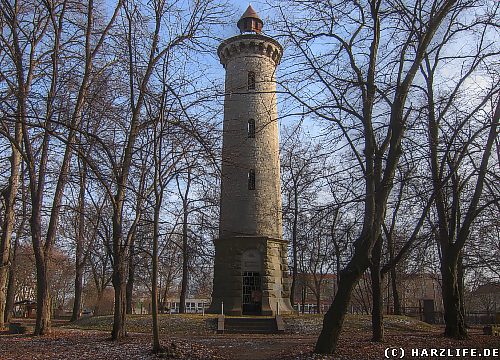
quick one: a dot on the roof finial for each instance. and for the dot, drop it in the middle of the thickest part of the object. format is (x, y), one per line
(250, 21)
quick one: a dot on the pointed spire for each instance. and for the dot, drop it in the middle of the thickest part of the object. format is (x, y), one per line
(250, 21)
(250, 12)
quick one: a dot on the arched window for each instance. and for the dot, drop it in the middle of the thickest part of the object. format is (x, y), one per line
(251, 128)
(251, 179)
(251, 80)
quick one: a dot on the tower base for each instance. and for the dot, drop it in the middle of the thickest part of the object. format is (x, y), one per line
(251, 277)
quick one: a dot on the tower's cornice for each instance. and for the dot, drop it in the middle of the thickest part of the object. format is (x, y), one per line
(248, 44)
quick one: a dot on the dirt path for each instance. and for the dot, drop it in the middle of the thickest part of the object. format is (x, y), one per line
(256, 347)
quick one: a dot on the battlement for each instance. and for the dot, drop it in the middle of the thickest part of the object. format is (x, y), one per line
(250, 44)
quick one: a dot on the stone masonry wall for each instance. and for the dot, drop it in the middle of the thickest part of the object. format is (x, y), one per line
(243, 211)
(228, 270)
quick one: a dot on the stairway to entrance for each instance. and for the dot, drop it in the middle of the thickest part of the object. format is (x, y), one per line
(250, 325)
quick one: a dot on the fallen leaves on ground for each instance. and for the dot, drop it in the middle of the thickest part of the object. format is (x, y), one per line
(193, 337)
(357, 345)
(77, 344)
(175, 324)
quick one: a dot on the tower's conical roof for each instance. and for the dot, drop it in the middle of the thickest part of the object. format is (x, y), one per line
(250, 13)
(250, 21)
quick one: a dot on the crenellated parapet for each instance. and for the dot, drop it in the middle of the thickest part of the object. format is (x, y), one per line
(248, 45)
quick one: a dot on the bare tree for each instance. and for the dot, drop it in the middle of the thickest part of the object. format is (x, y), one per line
(301, 168)
(48, 18)
(141, 69)
(461, 143)
(20, 235)
(357, 95)
(19, 84)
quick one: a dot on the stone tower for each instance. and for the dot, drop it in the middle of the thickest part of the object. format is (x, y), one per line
(250, 271)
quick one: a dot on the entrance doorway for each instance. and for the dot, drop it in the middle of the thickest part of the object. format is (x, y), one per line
(251, 303)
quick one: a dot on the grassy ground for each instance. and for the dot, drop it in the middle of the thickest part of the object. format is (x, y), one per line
(186, 324)
(311, 324)
(196, 324)
(193, 337)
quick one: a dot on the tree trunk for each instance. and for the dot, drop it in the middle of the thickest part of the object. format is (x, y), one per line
(4, 262)
(130, 280)
(303, 293)
(43, 304)
(119, 277)
(119, 285)
(9, 194)
(318, 302)
(392, 274)
(43, 313)
(377, 300)
(164, 296)
(77, 304)
(11, 285)
(154, 279)
(294, 246)
(97, 306)
(395, 293)
(11, 292)
(453, 317)
(185, 260)
(185, 248)
(334, 317)
(131, 237)
(79, 261)
(460, 279)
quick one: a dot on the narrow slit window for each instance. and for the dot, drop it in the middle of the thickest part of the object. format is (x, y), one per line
(251, 179)
(251, 128)
(251, 80)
